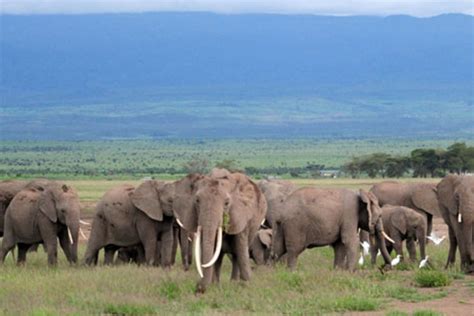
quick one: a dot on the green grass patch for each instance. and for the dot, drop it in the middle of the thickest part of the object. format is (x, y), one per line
(432, 278)
(128, 309)
(426, 312)
(409, 294)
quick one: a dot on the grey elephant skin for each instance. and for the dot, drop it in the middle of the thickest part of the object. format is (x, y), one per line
(275, 192)
(421, 197)
(43, 214)
(8, 190)
(321, 217)
(456, 201)
(226, 210)
(127, 217)
(403, 224)
(261, 246)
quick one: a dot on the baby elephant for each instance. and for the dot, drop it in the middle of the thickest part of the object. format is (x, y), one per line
(403, 223)
(261, 247)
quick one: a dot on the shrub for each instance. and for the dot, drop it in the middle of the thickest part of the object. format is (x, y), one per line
(432, 278)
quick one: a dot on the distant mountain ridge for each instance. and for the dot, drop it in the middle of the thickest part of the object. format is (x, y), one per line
(193, 63)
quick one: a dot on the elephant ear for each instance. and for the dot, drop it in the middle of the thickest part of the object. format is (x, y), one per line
(367, 199)
(399, 221)
(245, 205)
(265, 237)
(425, 198)
(145, 198)
(47, 205)
(183, 202)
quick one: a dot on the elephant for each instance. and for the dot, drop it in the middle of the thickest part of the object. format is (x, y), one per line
(319, 217)
(456, 201)
(260, 247)
(421, 197)
(403, 223)
(8, 190)
(127, 216)
(225, 213)
(42, 214)
(275, 192)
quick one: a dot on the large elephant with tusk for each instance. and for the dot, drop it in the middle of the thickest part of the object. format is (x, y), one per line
(421, 197)
(43, 214)
(127, 216)
(320, 217)
(456, 201)
(225, 213)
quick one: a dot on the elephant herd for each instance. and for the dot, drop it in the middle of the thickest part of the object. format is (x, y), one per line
(226, 213)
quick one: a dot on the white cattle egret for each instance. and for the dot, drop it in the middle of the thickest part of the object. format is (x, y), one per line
(361, 259)
(366, 246)
(395, 261)
(435, 239)
(423, 262)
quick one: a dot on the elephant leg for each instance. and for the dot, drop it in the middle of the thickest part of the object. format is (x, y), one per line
(216, 277)
(411, 247)
(109, 254)
(49, 235)
(351, 246)
(235, 275)
(7, 246)
(167, 244)
(339, 255)
(429, 227)
(66, 245)
(22, 250)
(242, 252)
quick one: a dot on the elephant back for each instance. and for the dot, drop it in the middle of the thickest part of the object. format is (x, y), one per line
(424, 197)
(116, 207)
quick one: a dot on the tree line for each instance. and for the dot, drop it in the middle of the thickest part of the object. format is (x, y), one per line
(422, 162)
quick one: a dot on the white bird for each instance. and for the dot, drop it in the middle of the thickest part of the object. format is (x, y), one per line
(361, 259)
(435, 239)
(378, 253)
(395, 261)
(423, 262)
(366, 246)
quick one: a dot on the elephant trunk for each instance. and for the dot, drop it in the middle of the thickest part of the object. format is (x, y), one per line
(381, 242)
(207, 245)
(73, 236)
(467, 236)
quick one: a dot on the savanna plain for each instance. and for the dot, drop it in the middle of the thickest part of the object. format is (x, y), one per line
(314, 288)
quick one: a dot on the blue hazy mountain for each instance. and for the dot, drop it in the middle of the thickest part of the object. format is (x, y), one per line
(203, 68)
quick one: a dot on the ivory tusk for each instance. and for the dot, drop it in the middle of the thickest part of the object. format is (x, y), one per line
(82, 234)
(217, 251)
(263, 222)
(197, 251)
(84, 222)
(179, 223)
(69, 235)
(387, 237)
(459, 218)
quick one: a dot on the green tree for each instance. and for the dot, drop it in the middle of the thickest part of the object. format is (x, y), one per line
(396, 167)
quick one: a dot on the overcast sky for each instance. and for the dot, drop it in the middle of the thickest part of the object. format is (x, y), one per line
(323, 7)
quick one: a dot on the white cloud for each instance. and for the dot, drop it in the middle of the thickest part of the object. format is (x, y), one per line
(323, 7)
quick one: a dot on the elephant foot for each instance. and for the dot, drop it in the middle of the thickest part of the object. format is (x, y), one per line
(385, 268)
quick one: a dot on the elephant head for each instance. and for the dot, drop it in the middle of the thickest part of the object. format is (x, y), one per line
(60, 204)
(261, 246)
(370, 219)
(154, 199)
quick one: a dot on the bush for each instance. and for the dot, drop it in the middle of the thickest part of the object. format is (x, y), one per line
(432, 278)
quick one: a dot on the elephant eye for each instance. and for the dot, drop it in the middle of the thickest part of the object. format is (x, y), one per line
(197, 200)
